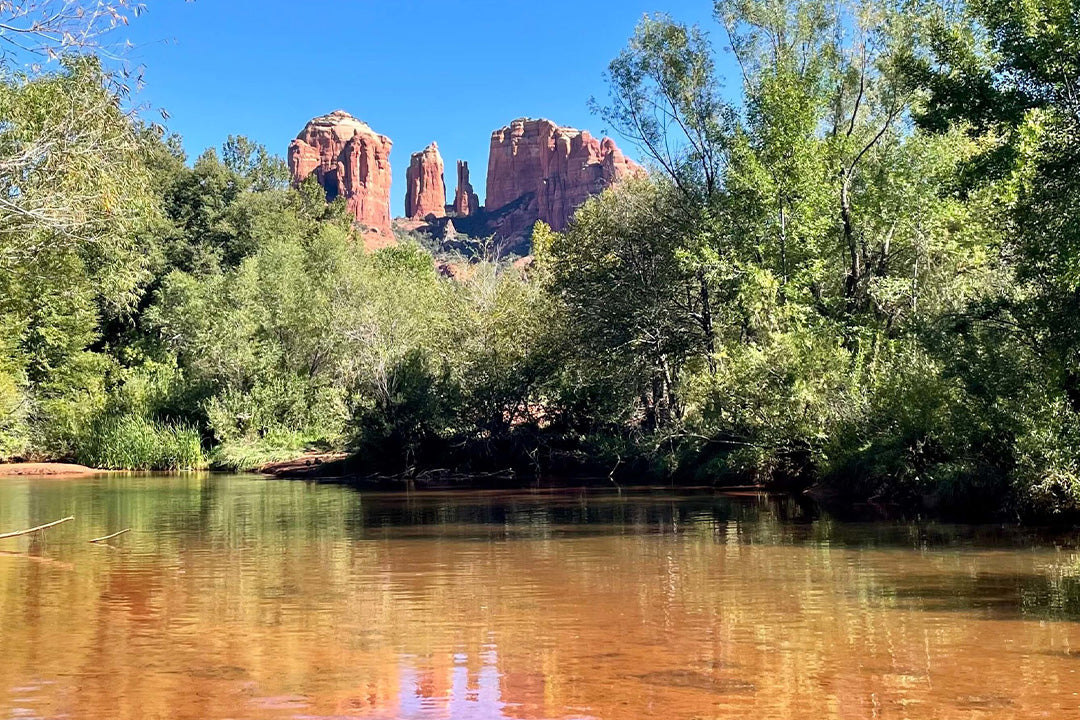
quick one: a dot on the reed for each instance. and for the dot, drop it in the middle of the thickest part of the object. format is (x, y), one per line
(132, 442)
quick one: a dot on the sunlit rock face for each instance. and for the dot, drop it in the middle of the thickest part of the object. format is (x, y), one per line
(425, 193)
(466, 201)
(350, 160)
(542, 171)
(537, 170)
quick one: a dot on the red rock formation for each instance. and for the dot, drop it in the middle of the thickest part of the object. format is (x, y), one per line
(426, 192)
(466, 201)
(559, 167)
(350, 160)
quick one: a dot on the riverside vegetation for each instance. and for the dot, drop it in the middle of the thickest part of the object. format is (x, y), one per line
(862, 275)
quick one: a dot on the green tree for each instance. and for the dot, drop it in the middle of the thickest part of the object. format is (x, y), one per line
(666, 98)
(261, 169)
(1008, 74)
(630, 300)
(819, 238)
(78, 198)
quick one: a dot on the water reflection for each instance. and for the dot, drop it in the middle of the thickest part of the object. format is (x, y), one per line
(244, 598)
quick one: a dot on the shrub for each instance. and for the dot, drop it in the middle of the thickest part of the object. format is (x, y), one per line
(247, 455)
(131, 442)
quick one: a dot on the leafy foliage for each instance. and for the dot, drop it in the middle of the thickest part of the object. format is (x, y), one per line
(858, 277)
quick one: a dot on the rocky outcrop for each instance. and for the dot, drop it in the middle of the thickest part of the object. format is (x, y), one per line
(426, 191)
(350, 160)
(466, 201)
(547, 172)
(537, 170)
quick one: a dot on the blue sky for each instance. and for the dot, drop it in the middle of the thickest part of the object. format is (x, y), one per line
(415, 70)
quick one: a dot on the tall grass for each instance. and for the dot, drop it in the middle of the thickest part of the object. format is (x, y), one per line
(246, 455)
(132, 442)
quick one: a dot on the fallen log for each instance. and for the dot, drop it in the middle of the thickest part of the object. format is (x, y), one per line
(39, 528)
(110, 537)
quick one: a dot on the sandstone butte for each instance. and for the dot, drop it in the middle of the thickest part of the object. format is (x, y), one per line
(466, 201)
(549, 171)
(350, 160)
(537, 170)
(426, 191)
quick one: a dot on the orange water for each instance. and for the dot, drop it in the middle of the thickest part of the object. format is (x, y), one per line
(246, 598)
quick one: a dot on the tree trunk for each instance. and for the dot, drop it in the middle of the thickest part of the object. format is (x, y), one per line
(707, 321)
(854, 278)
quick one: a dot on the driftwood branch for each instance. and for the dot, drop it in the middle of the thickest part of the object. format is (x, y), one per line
(110, 537)
(39, 528)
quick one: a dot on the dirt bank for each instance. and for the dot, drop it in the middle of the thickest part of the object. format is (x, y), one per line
(45, 470)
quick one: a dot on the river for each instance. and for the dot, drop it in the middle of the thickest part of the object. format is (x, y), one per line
(241, 597)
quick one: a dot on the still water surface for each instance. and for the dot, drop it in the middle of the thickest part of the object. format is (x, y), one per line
(248, 598)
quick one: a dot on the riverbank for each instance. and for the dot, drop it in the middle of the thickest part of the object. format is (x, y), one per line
(312, 466)
(344, 469)
(47, 470)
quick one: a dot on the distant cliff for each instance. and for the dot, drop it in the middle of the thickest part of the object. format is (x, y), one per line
(426, 187)
(537, 170)
(548, 171)
(350, 160)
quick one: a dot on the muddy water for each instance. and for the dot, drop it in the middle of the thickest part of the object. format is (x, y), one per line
(246, 598)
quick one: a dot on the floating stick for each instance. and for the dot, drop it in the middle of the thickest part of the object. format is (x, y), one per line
(110, 537)
(39, 528)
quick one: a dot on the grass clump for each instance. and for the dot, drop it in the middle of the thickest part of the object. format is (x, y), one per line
(132, 442)
(248, 455)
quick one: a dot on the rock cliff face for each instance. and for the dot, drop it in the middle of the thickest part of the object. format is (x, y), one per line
(350, 160)
(466, 201)
(426, 192)
(537, 170)
(547, 172)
